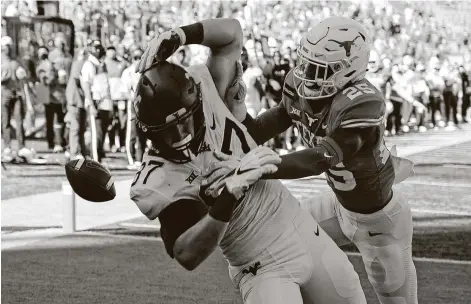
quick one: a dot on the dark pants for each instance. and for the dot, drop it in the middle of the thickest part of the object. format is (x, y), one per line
(433, 107)
(465, 105)
(12, 107)
(119, 125)
(54, 125)
(135, 139)
(451, 105)
(77, 128)
(395, 117)
(98, 127)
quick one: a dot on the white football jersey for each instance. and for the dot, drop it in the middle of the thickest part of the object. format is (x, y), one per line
(258, 219)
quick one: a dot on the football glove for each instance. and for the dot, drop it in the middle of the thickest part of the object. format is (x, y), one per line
(237, 175)
(161, 47)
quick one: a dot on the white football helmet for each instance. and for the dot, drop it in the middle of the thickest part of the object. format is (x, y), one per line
(334, 52)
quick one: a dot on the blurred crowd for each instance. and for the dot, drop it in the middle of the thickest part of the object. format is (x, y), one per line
(420, 60)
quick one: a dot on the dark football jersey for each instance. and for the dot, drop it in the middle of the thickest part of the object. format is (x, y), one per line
(365, 180)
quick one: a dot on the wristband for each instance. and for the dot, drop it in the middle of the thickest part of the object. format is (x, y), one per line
(194, 33)
(223, 207)
(180, 34)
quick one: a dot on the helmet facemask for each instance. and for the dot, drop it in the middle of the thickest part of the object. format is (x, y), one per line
(316, 77)
(179, 138)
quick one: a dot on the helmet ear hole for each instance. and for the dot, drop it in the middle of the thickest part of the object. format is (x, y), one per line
(337, 67)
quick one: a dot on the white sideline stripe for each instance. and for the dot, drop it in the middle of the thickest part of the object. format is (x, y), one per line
(440, 184)
(457, 166)
(122, 236)
(426, 260)
(412, 182)
(136, 225)
(444, 212)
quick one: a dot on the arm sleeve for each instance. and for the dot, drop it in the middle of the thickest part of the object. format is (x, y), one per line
(333, 149)
(269, 124)
(177, 218)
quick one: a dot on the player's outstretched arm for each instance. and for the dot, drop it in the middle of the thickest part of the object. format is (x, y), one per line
(340, 145)
(191, 233)
(267, 125)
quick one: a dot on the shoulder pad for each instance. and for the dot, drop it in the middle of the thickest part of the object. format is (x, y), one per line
(358, 106)
(159, 183)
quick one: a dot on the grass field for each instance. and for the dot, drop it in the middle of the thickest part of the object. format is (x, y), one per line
(125, 262)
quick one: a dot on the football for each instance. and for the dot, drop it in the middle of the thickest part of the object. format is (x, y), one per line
(90, 180)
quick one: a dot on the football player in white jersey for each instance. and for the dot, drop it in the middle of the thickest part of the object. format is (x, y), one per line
(276, 252)
(340, 115)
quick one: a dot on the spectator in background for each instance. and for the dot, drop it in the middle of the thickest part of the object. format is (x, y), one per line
(88, 74)
(76, 116)
(122, 55)
(115, 69)
(275, 74)
(12, 102)
(58, 56)
(253, 97)
(466, 89)
(30, 62)
(101, 122)
(450, 93)
(51, 92)
(135, 139)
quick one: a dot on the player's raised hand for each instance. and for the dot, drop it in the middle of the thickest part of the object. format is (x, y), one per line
(160, 48)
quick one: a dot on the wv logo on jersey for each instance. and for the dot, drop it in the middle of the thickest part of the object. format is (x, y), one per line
(252, 269)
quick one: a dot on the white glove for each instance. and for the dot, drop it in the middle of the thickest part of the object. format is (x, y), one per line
(237, 175)
(161, 47)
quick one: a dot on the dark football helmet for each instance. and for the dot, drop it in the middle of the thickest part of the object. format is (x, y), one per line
(168, 107)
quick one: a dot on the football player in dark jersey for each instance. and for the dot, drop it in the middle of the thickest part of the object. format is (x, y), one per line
(340, 116)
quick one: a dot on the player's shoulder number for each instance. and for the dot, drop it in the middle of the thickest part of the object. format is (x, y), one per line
(145, 171)
(343, 179)
(357, 90)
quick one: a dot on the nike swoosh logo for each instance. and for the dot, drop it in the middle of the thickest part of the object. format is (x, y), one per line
(238, 171)
(317, 232)
(324, 126)
(374, 233)
(213, 127)
(327, 155)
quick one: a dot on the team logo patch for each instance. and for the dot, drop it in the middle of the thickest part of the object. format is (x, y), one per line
(192, 177)
(295, 111)
(253, 269)
(311, 120)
